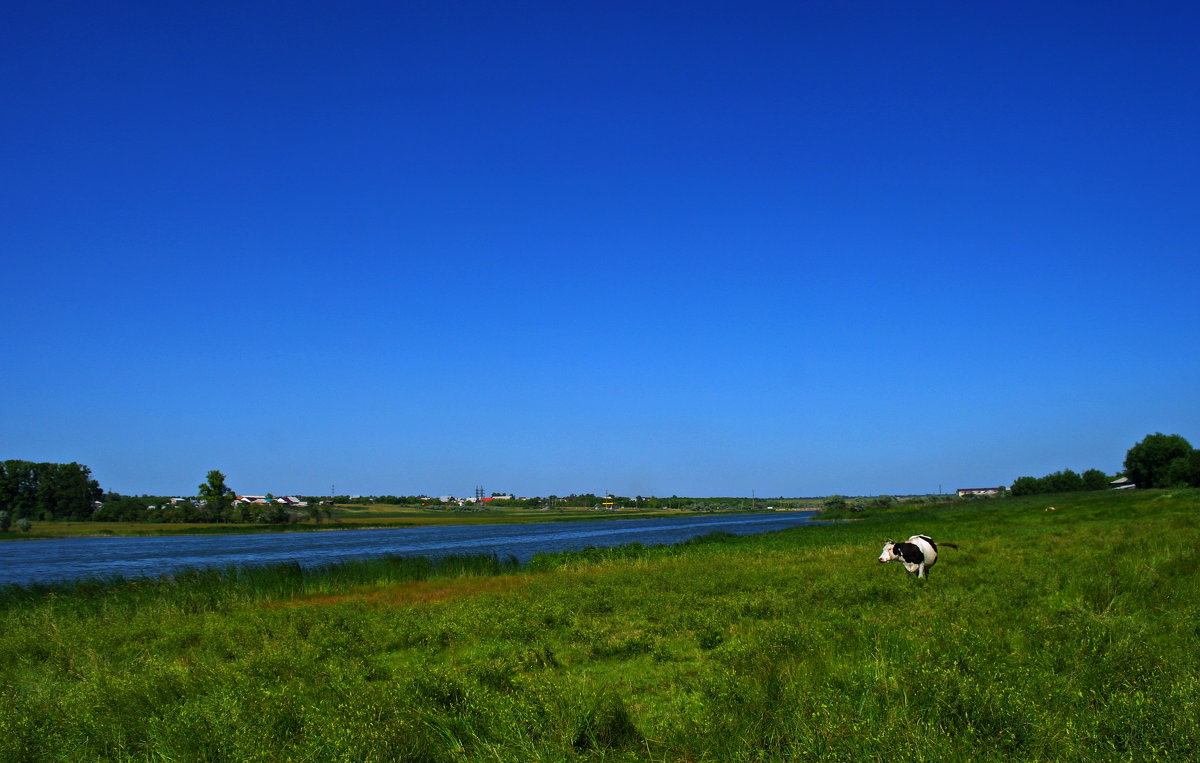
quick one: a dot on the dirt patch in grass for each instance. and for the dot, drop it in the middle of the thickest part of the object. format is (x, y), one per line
(422, 592)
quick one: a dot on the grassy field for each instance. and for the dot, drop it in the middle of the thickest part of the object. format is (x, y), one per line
(1064, 635)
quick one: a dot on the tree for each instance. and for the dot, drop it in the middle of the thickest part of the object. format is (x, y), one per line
(67, 491)
(1066, 481)
(5, 521)
(1185, 470)
(47, 490)
(1146, 463)
(217, 497)
(1094, 479)
(24, 524)
(1027, 486)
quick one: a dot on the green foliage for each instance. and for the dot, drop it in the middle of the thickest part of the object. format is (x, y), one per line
(5, 521)
(882, 502)
(215, 499)
(834, 503)
(1026, 486)
(1184, 471)
(1065, 481)
(47, 490)
(1094, 479)
(123, 508)
(1147, 462)
(24, 525)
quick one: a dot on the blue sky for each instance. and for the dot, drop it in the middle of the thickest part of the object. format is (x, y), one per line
(644, 248)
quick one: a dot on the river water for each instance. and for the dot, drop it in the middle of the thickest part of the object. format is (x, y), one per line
(26, 562)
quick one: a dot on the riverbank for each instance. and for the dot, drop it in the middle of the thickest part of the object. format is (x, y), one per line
(348, 518)
(1049, 640)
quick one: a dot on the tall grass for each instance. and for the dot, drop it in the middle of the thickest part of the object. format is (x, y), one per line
(1064, 635)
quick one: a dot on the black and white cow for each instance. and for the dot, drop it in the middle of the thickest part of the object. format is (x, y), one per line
(918, 554)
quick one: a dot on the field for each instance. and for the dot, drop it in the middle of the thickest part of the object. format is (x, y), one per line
(1071, 634)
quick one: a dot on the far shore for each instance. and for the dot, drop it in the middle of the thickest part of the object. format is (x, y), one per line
(376, 517)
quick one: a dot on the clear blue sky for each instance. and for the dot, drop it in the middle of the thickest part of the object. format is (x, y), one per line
(795, 248)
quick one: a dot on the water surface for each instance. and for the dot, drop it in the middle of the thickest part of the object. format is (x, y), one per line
(38, 561)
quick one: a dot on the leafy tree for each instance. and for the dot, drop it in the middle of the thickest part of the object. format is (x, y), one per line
(1185, 470)
(217, 497)
(1147, 462)
(1065, 481)
(5, 521)
(24, 524)
(67, 491)
(18, 487)
(1094, 479)
(48, 490)
(1026, 486)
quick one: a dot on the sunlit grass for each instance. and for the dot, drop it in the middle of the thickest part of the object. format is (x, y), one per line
(1064, 635)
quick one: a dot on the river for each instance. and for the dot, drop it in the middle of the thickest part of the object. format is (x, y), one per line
(26, 562)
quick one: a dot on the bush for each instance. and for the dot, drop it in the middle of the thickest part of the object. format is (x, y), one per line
(834, 503)
(24, 524)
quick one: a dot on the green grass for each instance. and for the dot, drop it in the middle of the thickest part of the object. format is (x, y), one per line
(1064, 635)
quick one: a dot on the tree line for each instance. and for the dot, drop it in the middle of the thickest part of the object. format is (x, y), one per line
(1157, 461)
(45, 491)
(1065, 481)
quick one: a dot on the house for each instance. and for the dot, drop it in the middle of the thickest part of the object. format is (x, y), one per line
(965, 491)
(258, 500)
(1121, 483)
(261, 500)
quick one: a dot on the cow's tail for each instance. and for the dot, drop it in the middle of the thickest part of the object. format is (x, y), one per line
(951, 545)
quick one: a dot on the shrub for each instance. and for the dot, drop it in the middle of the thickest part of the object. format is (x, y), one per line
(834, 503)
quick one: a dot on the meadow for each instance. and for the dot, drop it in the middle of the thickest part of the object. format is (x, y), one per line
(1071, 634)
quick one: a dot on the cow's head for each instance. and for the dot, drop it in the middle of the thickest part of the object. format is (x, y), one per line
(888, 555)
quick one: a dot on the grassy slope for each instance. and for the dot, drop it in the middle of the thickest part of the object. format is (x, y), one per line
(1061, 635)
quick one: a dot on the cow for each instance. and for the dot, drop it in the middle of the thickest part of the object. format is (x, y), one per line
(918, 554)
